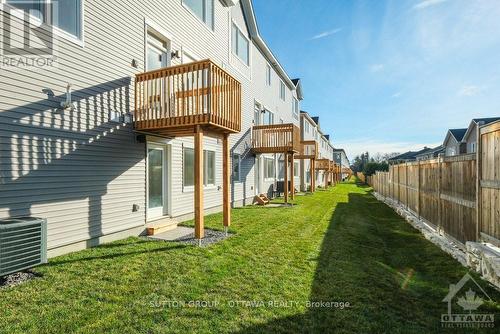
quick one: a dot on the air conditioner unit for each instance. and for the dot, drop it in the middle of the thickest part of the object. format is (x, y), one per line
(23, 244)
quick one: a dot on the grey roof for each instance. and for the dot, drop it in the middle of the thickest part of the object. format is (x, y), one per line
(295, 81)
(315, 119)
(486, 120)
(458, 133)
(327, 137)
(434, 151)
(410, 155)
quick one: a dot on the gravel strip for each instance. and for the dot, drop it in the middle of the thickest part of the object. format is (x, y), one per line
(211, 237)
(16, 279)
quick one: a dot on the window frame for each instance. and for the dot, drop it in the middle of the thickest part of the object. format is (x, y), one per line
(238, 158)
(190, 188)
(268, 75)
(235, 44)
(205, 24)
(80, 41)
(296, 169)
(282, 91)
(295, 108)
(266, 170)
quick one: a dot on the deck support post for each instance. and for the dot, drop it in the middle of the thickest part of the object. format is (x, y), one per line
(313, 175)
(226, 191)
(325, 176)
(199, 229)
(286, 177)
(292, 176)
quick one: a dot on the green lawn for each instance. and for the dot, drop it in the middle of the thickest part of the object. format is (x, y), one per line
(339, 244)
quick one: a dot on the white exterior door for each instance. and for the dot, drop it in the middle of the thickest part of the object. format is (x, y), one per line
(157, 53)
(157, 181)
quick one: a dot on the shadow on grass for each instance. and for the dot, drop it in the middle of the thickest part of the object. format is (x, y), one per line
(78, 258)
(393, 279)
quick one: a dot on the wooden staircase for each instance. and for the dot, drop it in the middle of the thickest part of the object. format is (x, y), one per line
(261, 199)
(161, 225)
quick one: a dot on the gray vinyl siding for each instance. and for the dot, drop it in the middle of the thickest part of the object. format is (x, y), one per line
(84, 172)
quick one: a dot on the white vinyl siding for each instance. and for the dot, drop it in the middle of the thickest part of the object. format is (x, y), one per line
(268, 75)
(240, 44)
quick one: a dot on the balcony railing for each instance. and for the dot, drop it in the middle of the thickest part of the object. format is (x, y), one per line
(308, 150)
(323, 164)
(276, 138)
(173, 100)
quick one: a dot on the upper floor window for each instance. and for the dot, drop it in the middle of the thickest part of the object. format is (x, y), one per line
(203, 9)
(267, 117)
(295, 108)
(268, 74)
(67, 15)
(240, 44)
(282, 91)
(306, 126)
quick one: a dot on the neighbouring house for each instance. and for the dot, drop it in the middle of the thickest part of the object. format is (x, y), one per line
(308, 134)
(408, 156)
(431, 154)
(470, 136)
(340, 157)
(453, 143)
(189, 113)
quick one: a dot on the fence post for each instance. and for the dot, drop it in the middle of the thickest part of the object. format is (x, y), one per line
(406, 185)
(440, 159)
(478, 183)
(418, 190)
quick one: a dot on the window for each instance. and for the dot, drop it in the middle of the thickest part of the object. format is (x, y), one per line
(281, 169)
(67, 14)
(203, 9)
(240, 45)
(282, 91)
(269, 171)
(267, 117)
(306, 126)
(295, 108)
(236, 167)
(268, 74)
(188, 167)
(296, 169)
(208, 167)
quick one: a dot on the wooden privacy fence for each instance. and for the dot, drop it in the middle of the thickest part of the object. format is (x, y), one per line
(459, 195)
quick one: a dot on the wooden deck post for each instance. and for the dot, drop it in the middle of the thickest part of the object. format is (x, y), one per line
(313, 176)
(292, 177)
(199, 230)
(226, 174)
(285, 167)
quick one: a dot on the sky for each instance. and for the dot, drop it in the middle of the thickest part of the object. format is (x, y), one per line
(388, 75)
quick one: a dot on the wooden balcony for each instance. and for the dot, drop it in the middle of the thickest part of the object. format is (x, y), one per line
(276, 138)
(308, 150)
(173, 101)
(323, 164)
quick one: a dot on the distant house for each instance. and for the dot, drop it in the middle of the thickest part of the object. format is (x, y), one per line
(470, 137)
(431, 154)
(408, 156)
(453, 143)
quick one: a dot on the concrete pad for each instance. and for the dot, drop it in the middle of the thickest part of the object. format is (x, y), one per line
(174, 234)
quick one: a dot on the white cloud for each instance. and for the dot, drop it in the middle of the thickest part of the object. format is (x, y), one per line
(357, 146)
(428, 3)
(326, 33)
(377, 68)
(469, 90)
(396, 95)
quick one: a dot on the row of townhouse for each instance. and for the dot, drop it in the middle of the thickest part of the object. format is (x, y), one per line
(144, 110)
(456, 142)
